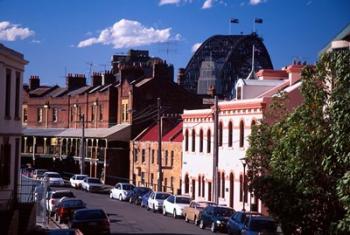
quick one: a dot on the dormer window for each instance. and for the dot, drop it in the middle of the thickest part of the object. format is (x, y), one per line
(239, 93)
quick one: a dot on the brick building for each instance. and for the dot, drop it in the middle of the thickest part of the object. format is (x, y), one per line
(143, 157)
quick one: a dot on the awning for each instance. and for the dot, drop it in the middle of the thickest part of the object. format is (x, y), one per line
(120, 132)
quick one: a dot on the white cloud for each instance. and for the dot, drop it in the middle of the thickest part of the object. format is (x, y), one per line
(196, 46)
(128, 33)
(165, 2)
(208, 4)
(12, 32)
(255, 2)
(36, 41)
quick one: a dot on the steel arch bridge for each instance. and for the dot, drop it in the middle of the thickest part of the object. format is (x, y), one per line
(234, 52)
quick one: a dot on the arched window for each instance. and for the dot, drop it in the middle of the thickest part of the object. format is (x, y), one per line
(253, 123)
(199, 185)
(230, 134)
(223, 184)
(186, 140)
(208, 141)
(241, 134)
(201, 141)
(193, 140)
(187, 184)
(218, 186)
(220, 134)
(231, 189)
(203, 186)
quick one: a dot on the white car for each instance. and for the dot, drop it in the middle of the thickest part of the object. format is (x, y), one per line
(54, 197)
(175, 205)
(121, 191)
(155, 200)
(92, 185)
(76, 180)
(53, 178)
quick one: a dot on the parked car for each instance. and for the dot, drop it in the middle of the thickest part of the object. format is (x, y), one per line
(76, 180)
(90, 221)
(63, 231)
(191, 212)
(38, 173)
(255, 225)
(216, 217)
(236, 222)
(92, 185)
(53, 178)
(121, 191)
(39, 191)
(156, 199)
(66, 208)
(54, 197)
(144, 200)
(135, 195)
(175, 204)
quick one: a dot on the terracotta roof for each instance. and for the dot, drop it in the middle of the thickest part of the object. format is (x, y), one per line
(175, 134)
(151, 134)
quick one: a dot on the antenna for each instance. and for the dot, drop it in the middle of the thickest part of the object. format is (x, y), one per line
(168, 48)
(91, 65)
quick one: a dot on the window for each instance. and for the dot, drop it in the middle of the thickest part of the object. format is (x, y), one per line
(40, 114)
(199, 185)
(25, 115)
(92, 112)
(5, 161)
(153, 155)
(193, 140)
(239, 93)
(165, 184)
(230, 127)
(187, 184)
(208, 141)
(142, 177)
(172, 158)
(223, 184)
(71, 114)
(203, 186)
(166, 157)
(135, 155)
(143, 155)
(17, 98)
(240, 188)
(152, 177)
(241, 134)
(8, 94)
(125, 116)
(186, 140)
(201, 141)
(54, 114)
(220, 134)
(100, 112)
(218, 187)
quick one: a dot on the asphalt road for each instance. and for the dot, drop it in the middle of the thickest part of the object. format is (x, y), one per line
(126, 218)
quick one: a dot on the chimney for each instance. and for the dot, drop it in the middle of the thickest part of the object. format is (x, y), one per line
(75, 81)
(163, 70)
(294, 73)
(108, 78)
(96, 79)
(34, 82)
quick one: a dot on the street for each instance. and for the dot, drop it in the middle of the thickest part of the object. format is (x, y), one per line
(126, 218)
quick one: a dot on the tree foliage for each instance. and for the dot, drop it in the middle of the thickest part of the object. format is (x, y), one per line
(300, 166)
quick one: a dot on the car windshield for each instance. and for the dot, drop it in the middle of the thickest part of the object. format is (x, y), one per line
(263, 225)
(80, 177)
(162, 196)
(223, 211)
(128, 187)
(90, 214)
(53, 175)
(142, 190)
(205, 204)
(73, 203)
(94, 181)
(62, 194)
(184, 200)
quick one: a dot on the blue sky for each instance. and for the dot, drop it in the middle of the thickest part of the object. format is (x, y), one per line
(75, 35)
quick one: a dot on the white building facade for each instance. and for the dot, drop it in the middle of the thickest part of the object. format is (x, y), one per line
(236, 119)
(11, 76)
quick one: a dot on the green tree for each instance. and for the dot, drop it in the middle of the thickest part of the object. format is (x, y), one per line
(299, 165)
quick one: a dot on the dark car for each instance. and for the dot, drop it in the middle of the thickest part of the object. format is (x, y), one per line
(264, 225)
(90, 221)
(144, 200)
(66, 208)
(135, 195)
(216, 217)
(236, 222)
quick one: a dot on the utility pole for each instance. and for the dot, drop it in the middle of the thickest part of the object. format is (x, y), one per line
(82, 144)
(159, 156)
(216, 150)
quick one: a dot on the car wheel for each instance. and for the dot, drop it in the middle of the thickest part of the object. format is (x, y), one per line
(111, 195)
(186, 219)
(120, 197)
(174, 214)
(213, 227)
(201, 224)
(164, 211)
(130, 200)
(154, 209)
(147, 207)
(196, 222)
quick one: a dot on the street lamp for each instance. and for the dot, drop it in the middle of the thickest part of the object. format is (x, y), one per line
(244, 163)
(82, 145)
